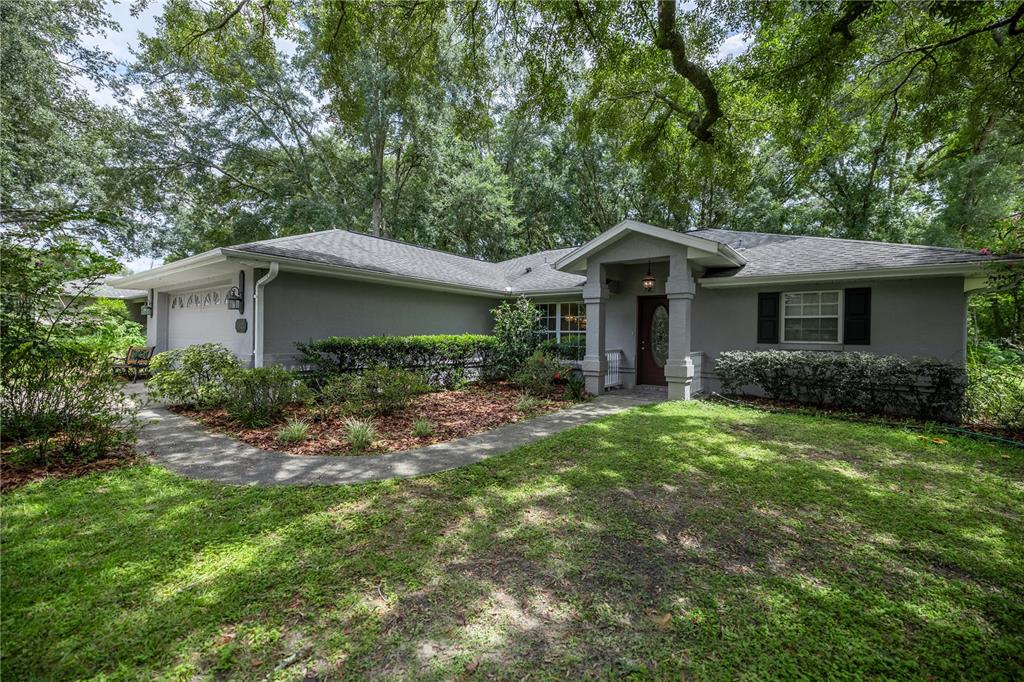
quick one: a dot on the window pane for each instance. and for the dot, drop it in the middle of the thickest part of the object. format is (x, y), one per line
(830, 297)
(829, 308)
(829, 329)
(810, 309)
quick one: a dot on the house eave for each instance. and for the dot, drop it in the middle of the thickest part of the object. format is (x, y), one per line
(301, 266)
(161, 275)
(908, 272)
(575, 261)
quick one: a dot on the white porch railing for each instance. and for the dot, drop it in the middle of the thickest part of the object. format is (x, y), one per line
(612, 376)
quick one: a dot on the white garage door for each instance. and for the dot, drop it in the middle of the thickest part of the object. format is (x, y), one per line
(202, 316)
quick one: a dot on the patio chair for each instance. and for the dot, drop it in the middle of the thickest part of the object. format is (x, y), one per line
(136, 362)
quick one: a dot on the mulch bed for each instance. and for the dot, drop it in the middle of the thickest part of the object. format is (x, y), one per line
(454, 414)
(16, 475)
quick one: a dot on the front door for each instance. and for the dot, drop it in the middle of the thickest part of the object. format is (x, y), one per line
(652, 340)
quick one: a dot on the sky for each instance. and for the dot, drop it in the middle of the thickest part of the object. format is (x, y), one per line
(121, 43)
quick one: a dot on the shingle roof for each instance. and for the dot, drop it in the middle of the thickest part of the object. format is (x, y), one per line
(388, 256)
(781, 254)
(767, 255)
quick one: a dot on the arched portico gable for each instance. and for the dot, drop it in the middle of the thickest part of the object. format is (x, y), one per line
(624, 315)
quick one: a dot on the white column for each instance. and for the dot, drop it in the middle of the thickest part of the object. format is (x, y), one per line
(595, 294)
(679, 287)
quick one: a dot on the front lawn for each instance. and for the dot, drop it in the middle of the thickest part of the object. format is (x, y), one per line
(679, 539)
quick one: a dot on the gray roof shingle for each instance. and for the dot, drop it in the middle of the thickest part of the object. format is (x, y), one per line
(388, 256)
(766, 255)
(782, 254)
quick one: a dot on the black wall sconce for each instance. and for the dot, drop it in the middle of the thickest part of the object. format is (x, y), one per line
(146, 310)
(236, 295)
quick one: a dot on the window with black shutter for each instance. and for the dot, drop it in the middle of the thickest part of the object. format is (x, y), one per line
(857, 317)
(768, 317)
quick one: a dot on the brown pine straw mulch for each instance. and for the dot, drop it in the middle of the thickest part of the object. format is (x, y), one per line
(15, 475)
(453, 414)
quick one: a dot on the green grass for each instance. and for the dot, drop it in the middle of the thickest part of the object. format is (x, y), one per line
(670, 541)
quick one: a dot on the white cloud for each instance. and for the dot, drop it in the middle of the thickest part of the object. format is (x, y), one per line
(732, 47)
(143, 263)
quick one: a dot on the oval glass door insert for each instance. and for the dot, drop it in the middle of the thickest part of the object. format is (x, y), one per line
(659, 335)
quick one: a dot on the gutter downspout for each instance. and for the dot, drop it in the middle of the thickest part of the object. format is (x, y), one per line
(257, 311)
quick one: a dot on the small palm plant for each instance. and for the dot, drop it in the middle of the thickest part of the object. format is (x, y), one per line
(295, 431)
(360, 433)
(421, 428)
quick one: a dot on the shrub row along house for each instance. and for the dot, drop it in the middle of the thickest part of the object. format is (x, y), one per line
(642, 304)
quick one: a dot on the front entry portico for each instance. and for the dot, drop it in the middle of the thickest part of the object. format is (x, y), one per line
(651, 329)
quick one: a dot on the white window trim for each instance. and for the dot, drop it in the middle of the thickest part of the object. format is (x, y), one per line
(558, 320)
(839, 316)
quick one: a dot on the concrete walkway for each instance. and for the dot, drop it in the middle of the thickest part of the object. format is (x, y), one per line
(186, 448)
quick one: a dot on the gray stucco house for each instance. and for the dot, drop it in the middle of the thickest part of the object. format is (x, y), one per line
(646, 305)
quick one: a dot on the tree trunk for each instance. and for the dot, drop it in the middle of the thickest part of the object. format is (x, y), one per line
(377, 152)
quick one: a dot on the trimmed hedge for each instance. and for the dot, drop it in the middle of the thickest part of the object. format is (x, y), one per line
(444, 360)
(857, 382)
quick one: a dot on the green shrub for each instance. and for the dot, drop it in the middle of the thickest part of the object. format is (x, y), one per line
(421, 428)
(571, 348)
(526, 404)
(539, 374)
(383, 390)
(995, 389)
(257, 396)
(857, 382)
(63, 405)
(58, 399)
(333, 397)
(195, 376)
(360, 433)
(575, 386)
(295, 431)
(443, 360)
(516, 336)
(107, 330)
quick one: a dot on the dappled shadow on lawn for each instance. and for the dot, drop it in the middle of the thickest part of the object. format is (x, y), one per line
(674, 539)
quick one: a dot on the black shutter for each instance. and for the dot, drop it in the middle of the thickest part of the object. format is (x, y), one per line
(768, 317)
(857, 317)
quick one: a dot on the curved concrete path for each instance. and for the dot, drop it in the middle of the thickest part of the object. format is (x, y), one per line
(186, 448)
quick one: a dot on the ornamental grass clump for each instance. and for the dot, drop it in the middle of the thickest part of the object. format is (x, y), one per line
(360, 434)
(421, 428)
(527, 404)
(295, 431)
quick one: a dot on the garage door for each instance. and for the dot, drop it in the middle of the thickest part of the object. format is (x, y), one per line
(202, 316)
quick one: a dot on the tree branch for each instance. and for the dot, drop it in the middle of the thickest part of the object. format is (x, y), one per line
(669, 39)
(854, 10)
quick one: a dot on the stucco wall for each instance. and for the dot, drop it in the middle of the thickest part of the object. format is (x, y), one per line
(303, 307)
(912, 318)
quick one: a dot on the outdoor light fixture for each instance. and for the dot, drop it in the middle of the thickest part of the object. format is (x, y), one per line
(235, 297)
(146, 310)
(648, 280)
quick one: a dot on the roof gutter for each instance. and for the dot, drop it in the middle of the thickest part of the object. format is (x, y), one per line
(908, 272)
(259, 313)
